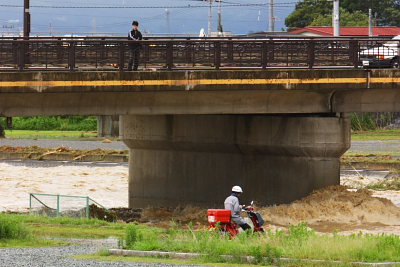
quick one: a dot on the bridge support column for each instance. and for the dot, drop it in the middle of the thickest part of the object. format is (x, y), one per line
(195, 159)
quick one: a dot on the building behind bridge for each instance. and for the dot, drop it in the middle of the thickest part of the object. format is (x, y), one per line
(324, 31)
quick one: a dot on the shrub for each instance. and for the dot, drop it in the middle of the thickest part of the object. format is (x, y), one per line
(12, 228)
(133, 235)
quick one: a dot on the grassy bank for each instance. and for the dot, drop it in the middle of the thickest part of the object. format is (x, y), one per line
(376, 135)
(30, 134)
(14, 233)
(65, 227)
(298, 242)
(30, 231)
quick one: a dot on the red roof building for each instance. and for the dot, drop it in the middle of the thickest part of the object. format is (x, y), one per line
(348, 31)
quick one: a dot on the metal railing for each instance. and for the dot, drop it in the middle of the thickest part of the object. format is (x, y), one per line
(111, 53)
(52, 205)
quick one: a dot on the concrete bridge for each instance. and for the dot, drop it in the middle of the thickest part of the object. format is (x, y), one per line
(194, 134)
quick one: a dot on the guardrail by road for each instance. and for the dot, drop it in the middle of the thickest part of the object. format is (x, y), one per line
(111, 53)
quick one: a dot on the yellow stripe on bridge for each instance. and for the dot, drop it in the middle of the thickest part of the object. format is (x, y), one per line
(197, 82)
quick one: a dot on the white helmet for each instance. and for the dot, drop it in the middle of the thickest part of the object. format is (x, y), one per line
(237, 189)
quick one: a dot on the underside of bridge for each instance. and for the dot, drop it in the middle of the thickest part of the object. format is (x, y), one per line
(196, 159)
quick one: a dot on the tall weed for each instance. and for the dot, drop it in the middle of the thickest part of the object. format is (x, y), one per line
(12, 228)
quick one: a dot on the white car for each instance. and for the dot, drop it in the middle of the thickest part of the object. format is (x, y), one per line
(383, 56)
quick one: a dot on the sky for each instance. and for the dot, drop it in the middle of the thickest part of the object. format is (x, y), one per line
(155, 16)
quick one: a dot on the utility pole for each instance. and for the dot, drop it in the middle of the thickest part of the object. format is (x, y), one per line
(27, 19)
(210, 18)
(336, 18)
(271, 16)
(370, 34)
(94, 25)
(167, 13)
(220, 29)
(50, 29)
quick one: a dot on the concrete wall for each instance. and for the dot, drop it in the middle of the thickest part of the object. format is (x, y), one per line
(183, 159)
(107, 126)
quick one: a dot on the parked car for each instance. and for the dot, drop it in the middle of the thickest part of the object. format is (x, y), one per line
(385, 56)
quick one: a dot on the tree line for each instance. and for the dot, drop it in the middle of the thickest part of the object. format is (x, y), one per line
(353, 13)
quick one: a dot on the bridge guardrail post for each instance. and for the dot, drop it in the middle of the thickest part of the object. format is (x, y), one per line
(353, 53)
(311, 54)
(121, 56)
(230, 50)
(264, 55)
(169, 55)
(188, 52)
(21, 56)
(398, 55)
(217, 55)
(15, 52)
(59, 51)
(103, 51)
(71, 56)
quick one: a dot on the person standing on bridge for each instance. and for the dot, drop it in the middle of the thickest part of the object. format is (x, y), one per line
(134, 35)
(232, 203)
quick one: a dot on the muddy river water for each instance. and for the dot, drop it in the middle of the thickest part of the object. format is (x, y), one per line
(106, 183)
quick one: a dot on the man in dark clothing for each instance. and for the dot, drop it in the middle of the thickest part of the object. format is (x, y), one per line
(134, 35)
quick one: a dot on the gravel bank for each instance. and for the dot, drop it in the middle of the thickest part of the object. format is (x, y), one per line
(369, 146)
(54, 143)
(59, 256)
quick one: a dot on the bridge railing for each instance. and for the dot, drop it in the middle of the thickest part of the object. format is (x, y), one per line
(187, 53)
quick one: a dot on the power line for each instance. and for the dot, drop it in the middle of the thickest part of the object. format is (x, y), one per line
(135, 7)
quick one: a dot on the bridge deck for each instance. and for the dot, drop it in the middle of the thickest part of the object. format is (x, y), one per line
(199, 92)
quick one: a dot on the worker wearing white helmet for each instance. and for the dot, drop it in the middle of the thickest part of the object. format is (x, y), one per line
(233, 203)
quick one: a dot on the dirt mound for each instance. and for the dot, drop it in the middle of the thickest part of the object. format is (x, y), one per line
(335, 204)
(182, 215)
(127, 215)
(102, 214)
(326, 209)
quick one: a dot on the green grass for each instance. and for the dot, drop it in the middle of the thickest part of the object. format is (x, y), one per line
(371, 157)
(68, 231)
(298, 243)
(41, 226)
(14, 233)
(393, 134)
(30, 243)
(29, 134)
(202, 261)
(387, 184)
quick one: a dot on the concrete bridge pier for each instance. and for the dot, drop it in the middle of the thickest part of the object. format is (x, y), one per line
(195, 159)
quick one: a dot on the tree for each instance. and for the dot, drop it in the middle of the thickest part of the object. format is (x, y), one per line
(307, 11)
(357, 18)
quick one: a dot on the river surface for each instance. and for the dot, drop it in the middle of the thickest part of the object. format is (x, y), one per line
(106, 183)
